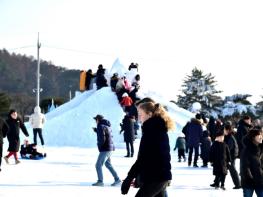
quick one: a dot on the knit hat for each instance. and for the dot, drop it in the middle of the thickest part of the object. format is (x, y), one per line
(98, 117)
(125, 94)
(220, 133)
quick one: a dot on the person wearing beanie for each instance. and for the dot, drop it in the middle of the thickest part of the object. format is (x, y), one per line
(220, 159)
(126, 101)
(105, 146)
(15, 124)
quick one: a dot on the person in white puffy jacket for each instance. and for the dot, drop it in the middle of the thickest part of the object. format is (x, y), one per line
(37, 121)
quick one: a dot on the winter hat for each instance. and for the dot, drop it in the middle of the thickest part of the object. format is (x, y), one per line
(198, 116)
(220, 133)
(125, 94)
(11, 111)
(98, 117)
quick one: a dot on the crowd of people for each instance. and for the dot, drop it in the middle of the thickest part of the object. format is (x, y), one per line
(221, 144)
(213, 141)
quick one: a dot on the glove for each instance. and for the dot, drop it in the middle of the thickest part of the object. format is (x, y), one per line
(125, 186)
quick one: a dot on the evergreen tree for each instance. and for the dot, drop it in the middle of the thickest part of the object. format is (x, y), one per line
(259, 107)
(236, 106)
(199, 87)
(4, 103)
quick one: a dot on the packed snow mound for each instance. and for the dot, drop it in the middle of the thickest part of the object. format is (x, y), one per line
(119, 68)
(71, 124)
(75, 102)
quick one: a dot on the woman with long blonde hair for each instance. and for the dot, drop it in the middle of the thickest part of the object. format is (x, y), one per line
(153, 163)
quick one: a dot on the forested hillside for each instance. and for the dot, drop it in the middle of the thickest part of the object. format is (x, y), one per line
(18, 78)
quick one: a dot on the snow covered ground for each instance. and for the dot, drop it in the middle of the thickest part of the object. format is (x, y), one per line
(69, 171)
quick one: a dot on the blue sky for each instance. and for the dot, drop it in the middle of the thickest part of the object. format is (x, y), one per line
(167, 38)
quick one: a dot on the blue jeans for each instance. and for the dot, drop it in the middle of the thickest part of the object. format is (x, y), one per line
(248, 192)
(104, 157)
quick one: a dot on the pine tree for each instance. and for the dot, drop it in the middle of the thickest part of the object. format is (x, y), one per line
(4, 103)
(236, 106)
(259, 107)
(199, 87)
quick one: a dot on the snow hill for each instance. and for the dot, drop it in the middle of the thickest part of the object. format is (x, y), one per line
(71, 123)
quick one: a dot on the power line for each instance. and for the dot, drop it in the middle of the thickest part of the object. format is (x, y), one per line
(23, 47)
(76, 51)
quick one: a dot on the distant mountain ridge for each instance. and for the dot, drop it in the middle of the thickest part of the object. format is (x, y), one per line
(18, 75)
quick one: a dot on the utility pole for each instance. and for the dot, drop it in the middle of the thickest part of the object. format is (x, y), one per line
(38, 70)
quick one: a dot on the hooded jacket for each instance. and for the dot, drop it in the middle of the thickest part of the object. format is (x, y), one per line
(194, 132)
(104, 136)
(37, 119)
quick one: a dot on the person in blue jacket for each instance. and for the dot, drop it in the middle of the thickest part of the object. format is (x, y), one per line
(105, 146)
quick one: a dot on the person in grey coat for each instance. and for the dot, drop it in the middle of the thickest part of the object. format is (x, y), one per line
(180, 144)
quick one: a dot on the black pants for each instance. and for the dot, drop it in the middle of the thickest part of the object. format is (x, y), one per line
(191, 149)
(157, 189)
(39, 132)
(234, 174)
(181, 153)
(130, 149)
(220, 179)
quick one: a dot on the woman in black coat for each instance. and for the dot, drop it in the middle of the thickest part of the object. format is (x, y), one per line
(153, 161)
(251, 164)
(14, 124)
(128, 127)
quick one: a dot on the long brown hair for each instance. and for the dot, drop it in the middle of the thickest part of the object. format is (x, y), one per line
(158, 110)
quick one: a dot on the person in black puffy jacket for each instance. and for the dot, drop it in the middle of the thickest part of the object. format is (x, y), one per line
(251, 163)
(153, 163)
(13, 135)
